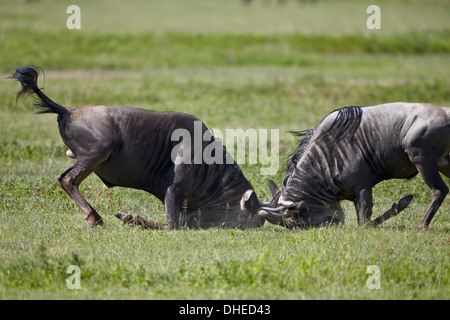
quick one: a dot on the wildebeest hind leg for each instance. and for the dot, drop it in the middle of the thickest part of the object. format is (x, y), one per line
(428, 169)
(445, 169)
(70, 180)
(439, 191)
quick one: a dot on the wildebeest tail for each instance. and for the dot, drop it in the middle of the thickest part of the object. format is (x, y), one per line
(28, 76)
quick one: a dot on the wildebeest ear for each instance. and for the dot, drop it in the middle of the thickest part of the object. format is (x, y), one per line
(249, 200)
(273, 187)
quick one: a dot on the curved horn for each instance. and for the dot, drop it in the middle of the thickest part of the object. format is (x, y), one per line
(271, 214)
(273, 210)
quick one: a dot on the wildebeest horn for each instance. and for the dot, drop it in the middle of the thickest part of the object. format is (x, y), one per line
(269, 212)
(273, 187)
(272, 215)
(273, 210)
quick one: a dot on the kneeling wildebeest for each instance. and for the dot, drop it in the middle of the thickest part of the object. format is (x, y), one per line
(132, 148)
(354, 148)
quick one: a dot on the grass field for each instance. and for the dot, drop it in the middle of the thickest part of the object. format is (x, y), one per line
(258, 66)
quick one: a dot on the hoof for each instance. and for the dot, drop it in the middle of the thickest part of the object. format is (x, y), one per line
(126, 217)
(94, 219)
(94, 223)
(120, 215)
(422, 226)
(404, 202)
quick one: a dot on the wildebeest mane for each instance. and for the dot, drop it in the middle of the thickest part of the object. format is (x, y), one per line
(344, 126)
(305, 136)
(346, 123)
(294, 157)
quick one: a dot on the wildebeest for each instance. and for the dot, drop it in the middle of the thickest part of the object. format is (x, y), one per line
(354, 148)
(132, 148)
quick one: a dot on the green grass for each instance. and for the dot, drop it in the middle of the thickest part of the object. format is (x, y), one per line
(65, 49)
(225, 64)
(228, 17)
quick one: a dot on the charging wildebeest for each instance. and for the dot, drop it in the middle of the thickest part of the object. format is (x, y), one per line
(354, 148)
(132, 147)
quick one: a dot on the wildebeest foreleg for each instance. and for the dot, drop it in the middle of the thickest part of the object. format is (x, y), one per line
(396, 209)
(172, 203)
(137, 220)
(363, 205)
(69, 180)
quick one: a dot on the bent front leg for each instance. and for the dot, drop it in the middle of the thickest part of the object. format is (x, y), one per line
(137, 220)
(394, 210)
(364, 205)
(172, 203)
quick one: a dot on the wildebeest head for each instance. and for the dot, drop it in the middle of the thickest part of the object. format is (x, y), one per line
(251, 206)
(300, 213)
(303, 199)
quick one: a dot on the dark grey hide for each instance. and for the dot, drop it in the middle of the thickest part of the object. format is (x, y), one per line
(353, 149)
(132, 148)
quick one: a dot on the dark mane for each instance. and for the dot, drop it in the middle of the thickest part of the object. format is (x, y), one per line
(346, 123)
(305, 136)
(294, 157)
(344, 126)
